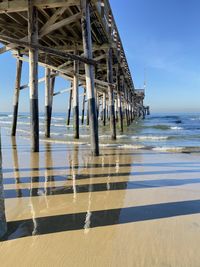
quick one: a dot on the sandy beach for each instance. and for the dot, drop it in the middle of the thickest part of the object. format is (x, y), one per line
(124, 208)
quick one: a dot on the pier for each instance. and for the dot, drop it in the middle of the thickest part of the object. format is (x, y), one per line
(77, 40)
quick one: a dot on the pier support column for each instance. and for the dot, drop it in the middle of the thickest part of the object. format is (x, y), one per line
(69, 107)
(83, 106)
(89, 72)
(126, 107)
(111, 94)
(3, 225)
(119, 102)
(76, 101)
(52, 85)
(47, 102)
(88, 121)
(116, 109)
(16, 96)
(33, 74)
(104, 108)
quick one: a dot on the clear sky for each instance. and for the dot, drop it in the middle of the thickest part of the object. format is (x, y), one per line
(161, 36)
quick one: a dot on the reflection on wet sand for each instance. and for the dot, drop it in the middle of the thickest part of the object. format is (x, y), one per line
(3, 225)
(79, 220)
(65, 206)
(16, 167)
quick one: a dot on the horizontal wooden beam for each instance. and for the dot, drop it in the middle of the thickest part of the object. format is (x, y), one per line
(62, 91)
(69, 75)
(22, 5)
(39, 81)
(47, 50)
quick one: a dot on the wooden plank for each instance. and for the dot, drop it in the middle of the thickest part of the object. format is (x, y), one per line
(59, 24)
(22, 5)
(58, 13)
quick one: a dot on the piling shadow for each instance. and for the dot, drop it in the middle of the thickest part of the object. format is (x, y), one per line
(101, 218)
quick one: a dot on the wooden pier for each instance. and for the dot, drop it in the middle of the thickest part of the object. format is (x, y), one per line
(79, 41)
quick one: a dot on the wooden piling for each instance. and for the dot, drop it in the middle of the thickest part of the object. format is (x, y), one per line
(52, 85)
(119, 100)
(89, 72)
(47, 102)
(16, 95)
(69, 107)
(88, 121)
(104, 109)
(76, 101)
(111, 94)
(116, 110)
(3, 225)
(83, 107)
(33, 74)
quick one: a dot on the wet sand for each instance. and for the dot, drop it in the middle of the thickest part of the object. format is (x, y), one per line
(124, 208)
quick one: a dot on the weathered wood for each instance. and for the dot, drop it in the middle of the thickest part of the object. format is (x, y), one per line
(3, 224)
(104, 109)
(59, 24)
(68, 75)
(69, 106)
(126, 105)
(58, 13)
(33, 74)
(119, 100)
(116, 109)
(24, 86)
(88, 119)
(47, 102)
(111, 94)
(83, 107)
(62, 91)
(89, 71)
(22, 5)
(52, 85)
(76, 101)
(97, 104)
(16, 96)
(47, 50)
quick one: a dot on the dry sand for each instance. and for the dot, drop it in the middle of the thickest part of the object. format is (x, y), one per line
(124, 208)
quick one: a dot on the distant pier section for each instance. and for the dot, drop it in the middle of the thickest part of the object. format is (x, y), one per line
(77, 40)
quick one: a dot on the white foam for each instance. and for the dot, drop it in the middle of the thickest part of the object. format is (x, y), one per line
(123, 146)
(63, 142)
(150, 137)
(176, 128)
(169, 149)
(58, 125)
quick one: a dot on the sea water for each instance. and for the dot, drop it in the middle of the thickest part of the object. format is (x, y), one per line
(164, 132)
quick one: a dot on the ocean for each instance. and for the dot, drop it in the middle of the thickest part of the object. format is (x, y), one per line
(162, 132)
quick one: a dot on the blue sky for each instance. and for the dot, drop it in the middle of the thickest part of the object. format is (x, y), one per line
(161, 36)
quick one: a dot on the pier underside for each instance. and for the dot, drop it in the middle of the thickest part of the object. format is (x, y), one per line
(79, 41)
